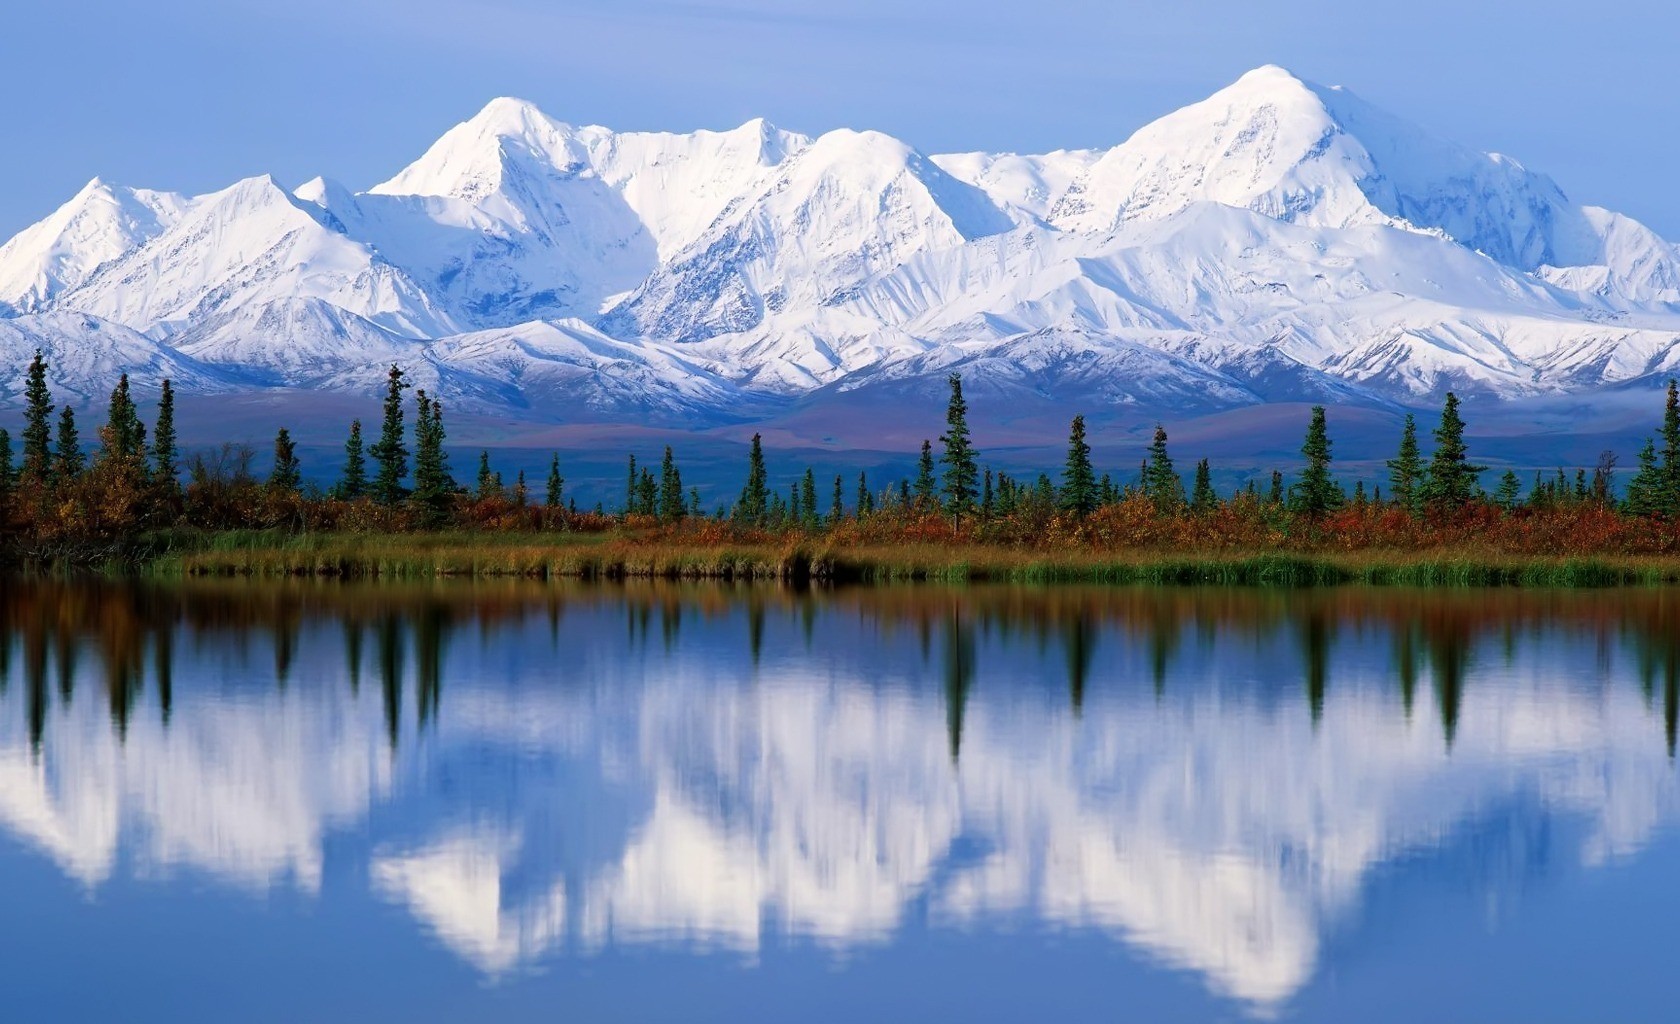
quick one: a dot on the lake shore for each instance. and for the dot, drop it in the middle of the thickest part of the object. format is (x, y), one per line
(628, 555)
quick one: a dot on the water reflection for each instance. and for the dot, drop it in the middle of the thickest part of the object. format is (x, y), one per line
(1218, 779)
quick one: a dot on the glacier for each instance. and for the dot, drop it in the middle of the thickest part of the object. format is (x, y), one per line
(1279, 241)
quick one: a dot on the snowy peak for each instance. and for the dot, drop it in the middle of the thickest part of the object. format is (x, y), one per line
(100, 223)
(471, 161)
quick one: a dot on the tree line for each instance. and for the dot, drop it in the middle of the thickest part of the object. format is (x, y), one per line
(55, 489)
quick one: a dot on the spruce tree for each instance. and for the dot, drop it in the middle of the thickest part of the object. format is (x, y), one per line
(37, 429)
(1202, 498)
(1405, 470)
(865, 501)
(166, 468)
(520, 494)
(1161, 484)
(432, 482)
(1274, 496)
(1669, 498)
(1645, 489)
(808, 500)
(7, 474)
(630, 481)
(124, 438)
(1079, 480)
(354, 483)
(68, 461)
(755, 496)
(287, 475)
(1509, 492)
(389, 452)
(672, 504)
(1451, 481)
(487, 485)
(555, 496)
(924, 479)
(1317, 492)
(962, 473)
(837, 510)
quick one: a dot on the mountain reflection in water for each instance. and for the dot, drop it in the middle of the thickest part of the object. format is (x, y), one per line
(1218, 779)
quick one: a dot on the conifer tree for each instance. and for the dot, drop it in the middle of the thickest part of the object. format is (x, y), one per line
(924, 479)
(7, 474)
(865, 501)
(1405, 470)
(795, 511)
(37, 430)
(755, 496)
(432, 482)
(287, 475)
(672, 504)
(1275, 495)
(1079, 482)
(1645, 489)
(1509, 492)
(988, 495)
(1669, 498)
(1317, 492)
(166, 468)
(837, 510)
(1202, 498)
(962, 474)
(1451, 481)
(520, 494)
(124, 438)
(1359, 494)
(630, 482)
(68, 461)
(647, 494)
(1161, 484)
(1107, 493)
(354, 483)
(556, 484)
(808, 500)
(389, 452)
(487, 485)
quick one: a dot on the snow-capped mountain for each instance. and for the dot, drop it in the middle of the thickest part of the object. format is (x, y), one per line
(1279, 240)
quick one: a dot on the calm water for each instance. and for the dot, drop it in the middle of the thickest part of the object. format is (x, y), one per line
(470, 802)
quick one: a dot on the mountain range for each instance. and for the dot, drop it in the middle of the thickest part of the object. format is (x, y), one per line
(1279, 241)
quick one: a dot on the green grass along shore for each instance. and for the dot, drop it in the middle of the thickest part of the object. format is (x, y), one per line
(614, 556)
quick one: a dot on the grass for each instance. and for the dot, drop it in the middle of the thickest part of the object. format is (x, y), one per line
(624, 556)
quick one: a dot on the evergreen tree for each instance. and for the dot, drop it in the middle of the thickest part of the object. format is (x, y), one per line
(837, 510)
(795, 511)
(672, 504)
(924, 479)
(124, 438)
(1405, 471)
(166, 468)
(1079, 481)
(962, 473)
(7, 474)
(1644, 493)
(1509, 492)
(1451, 481)
(1275, 495)
(1669, 497)
(1317, 492)
(865, 501)
(68, 461)
(1202, 498)
(520, 494)
(354, 483)
(432, 482)
(556, 484)
(808, 500)
(1107, 493)
(988, 495)
(488, 486)
(287, 475)
(755, 496)
(1161, 484)
(37, 429)
(1359, 494)
(630, 481)
(389, 452)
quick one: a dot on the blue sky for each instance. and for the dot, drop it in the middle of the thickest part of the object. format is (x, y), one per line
(191, 95)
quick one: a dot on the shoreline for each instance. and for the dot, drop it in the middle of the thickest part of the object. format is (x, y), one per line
(815, 560)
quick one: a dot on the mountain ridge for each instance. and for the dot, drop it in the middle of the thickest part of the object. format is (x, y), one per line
(1277, 241)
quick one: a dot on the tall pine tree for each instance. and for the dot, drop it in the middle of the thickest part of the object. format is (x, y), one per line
(924, 479)
(1669, 497)
(1644, 493)
(962, 473)
(68, 460)
(353, 484)
(287, 475)
(1161, 483)
(389, 453)
(1079, 480)
(166, 456)
(1405, 471)
(433, 485)
(1202, 498)
(755, 496)
(37, 424)
(1317, 492)
(1451, 481)
(555, 496)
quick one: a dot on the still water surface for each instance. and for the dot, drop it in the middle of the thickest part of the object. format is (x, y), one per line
(519, 802)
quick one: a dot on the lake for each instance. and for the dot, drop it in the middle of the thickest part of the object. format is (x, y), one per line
(515, 801)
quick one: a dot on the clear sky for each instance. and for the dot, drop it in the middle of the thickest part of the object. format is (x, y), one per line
(190, 95)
